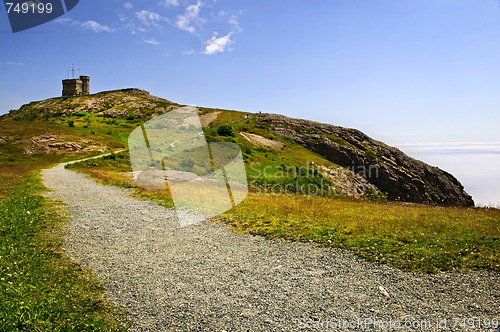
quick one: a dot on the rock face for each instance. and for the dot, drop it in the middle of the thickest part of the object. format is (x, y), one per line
(110, 104)
(394, 173)
(57, 144)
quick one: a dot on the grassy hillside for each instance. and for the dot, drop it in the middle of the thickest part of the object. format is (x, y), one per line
(21, 151)
(41, 289)
(44, 289)
(413, 237)
(410, 236)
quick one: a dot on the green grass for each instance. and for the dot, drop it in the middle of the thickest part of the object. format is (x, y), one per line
(408, 236)
(411, 237)
(115, 170)
(41, 289)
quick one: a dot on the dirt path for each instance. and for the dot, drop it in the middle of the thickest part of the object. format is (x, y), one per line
(206, 278)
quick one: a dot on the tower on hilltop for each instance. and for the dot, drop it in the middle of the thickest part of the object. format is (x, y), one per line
(76, 86)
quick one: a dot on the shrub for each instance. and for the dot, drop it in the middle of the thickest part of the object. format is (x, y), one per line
(225, 130)
(71, 123)
(81, 114)
(131, 117)
(88, 121)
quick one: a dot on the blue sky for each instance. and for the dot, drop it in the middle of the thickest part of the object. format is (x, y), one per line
(404, 72)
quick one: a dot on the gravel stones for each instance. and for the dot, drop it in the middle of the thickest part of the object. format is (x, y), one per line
(206, 278)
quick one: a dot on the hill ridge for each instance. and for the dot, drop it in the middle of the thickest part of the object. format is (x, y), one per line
(348, 160)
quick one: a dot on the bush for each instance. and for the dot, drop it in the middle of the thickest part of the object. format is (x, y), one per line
(131, 117)
(111, 156)
(225, 130)
(81, 114)
(71, 123)
(88, 121)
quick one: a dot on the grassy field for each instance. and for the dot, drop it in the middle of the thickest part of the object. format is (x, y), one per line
(411, 237)
(15, 162)
(408, 236)
(41, 289)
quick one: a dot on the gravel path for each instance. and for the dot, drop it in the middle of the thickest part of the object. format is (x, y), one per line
(206, 278)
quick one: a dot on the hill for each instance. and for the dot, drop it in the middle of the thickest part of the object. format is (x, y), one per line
(316, 158)
(282, 155)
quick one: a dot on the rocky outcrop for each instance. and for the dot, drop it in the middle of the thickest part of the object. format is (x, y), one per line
(113, 104)
(366, 166)
(394, 173)
(53, 144)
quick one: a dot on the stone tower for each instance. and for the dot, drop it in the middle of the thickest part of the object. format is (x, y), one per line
(85, 85)
(76, 86)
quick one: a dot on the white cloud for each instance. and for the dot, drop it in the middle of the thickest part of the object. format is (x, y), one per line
(190, 18)
(218, 45)
(170, 3)
(152, 41)
(87, 25)
(233, 20)
(149, 18)
(190, 52)
(66, 20)
(128, 5)
(96, 27)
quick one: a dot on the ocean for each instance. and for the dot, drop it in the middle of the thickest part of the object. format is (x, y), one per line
(475, 165)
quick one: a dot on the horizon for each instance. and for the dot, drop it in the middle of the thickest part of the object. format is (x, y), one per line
(413, 74)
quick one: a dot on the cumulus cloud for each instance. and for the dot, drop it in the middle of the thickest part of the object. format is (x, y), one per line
(128, 5)
(190, 18)
(218, 44)
(87, 25)
(148, 18)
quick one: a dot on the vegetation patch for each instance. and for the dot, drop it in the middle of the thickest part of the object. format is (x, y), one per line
(412, 237)
(408, 236)
(40, 288)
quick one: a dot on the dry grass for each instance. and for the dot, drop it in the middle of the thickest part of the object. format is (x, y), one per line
(409, 236)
